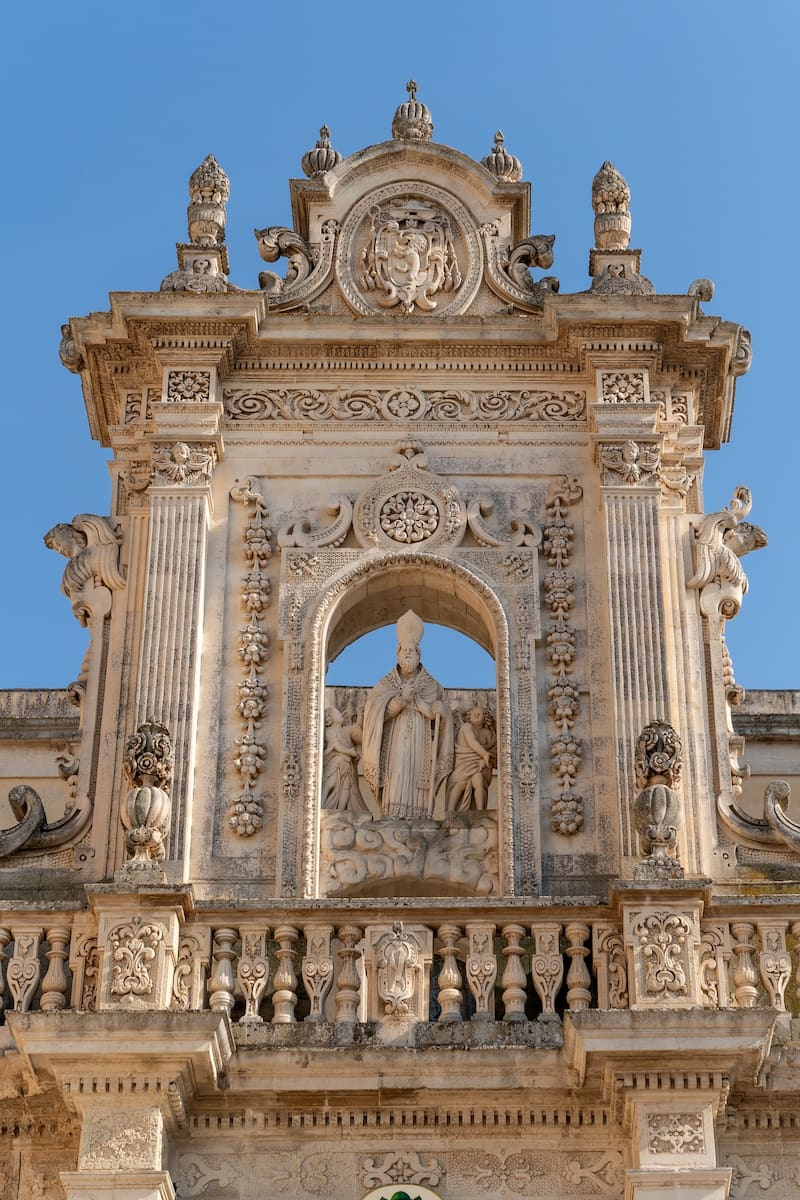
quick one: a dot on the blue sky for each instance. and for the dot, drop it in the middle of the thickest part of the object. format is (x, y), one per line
(109, 108)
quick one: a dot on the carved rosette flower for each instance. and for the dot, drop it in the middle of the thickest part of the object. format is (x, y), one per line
(246, 811)
(412, 120)
(322, 157)
(409, 517)
(505, 167)
(566, 809)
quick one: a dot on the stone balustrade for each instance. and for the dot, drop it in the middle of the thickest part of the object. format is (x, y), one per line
(455, 966)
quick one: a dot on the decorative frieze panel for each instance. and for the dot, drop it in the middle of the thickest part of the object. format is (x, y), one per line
(457, 405)
(663, 945)
(502, 1170)
(624, 387)
(188, 386)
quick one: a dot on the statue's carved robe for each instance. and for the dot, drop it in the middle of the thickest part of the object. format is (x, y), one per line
(401, 764)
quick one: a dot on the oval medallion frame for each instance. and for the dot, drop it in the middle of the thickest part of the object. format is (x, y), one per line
(436, 248)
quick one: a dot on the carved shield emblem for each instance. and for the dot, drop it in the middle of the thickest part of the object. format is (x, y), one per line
(409, 249)
(410, 256)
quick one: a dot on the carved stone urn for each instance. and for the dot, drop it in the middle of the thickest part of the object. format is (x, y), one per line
(657, 812)
(146, 808)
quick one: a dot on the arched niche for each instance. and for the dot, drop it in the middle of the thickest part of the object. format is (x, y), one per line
(346, 593)
(437, 599)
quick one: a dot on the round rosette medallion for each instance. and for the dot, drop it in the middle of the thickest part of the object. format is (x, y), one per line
(409, 510)
(408, 249)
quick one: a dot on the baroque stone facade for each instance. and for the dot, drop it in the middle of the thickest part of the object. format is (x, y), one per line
(262, 934)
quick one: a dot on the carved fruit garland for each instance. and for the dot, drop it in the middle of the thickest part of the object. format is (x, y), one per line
(247, 810)
(563, 693)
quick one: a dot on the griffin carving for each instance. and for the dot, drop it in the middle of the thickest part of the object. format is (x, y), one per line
(276, 242)
(91, 544)
(536, 251)
(722, 539)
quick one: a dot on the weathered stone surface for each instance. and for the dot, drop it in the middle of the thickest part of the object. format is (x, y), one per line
(260, 935)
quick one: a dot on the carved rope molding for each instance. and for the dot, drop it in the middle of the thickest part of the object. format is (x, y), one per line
(563, 694)
(405, 404)
(246, 812)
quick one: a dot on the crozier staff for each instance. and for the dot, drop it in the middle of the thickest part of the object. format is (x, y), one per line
(407, 749)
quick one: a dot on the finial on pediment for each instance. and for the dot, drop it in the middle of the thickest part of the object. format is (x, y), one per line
(323, 157)
(412, 120)
(505, 167)
(614, 267)
(209, 191)
(611, 199)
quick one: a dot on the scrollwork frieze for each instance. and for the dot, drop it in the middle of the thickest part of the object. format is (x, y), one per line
(403, 404)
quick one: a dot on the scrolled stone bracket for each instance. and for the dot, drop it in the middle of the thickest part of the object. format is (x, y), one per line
(508, 269)
(33, 831)
(309, 269)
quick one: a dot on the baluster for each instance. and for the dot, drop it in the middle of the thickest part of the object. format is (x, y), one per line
(24, 969)
(5, 938)
(513, 976)
(284, 998)
(450, 994)
(54, 984)
(579, 981)
(744, 975)
(481, 969)
(547, 966)
(252, 972)
(774, 964)
(317, 968)
(348, 983)
(220, 985)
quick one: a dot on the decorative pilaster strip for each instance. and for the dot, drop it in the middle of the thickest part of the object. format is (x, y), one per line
(610, 966)
(481, 969)
(252, 973)
(171, 646)
(5, 938)
(247, 809)
(774, 963)
(317, 969)
(629, 473)
(547, 966)
(24, 969)
(563, 693)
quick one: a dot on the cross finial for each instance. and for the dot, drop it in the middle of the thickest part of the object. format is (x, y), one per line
(411, 88)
